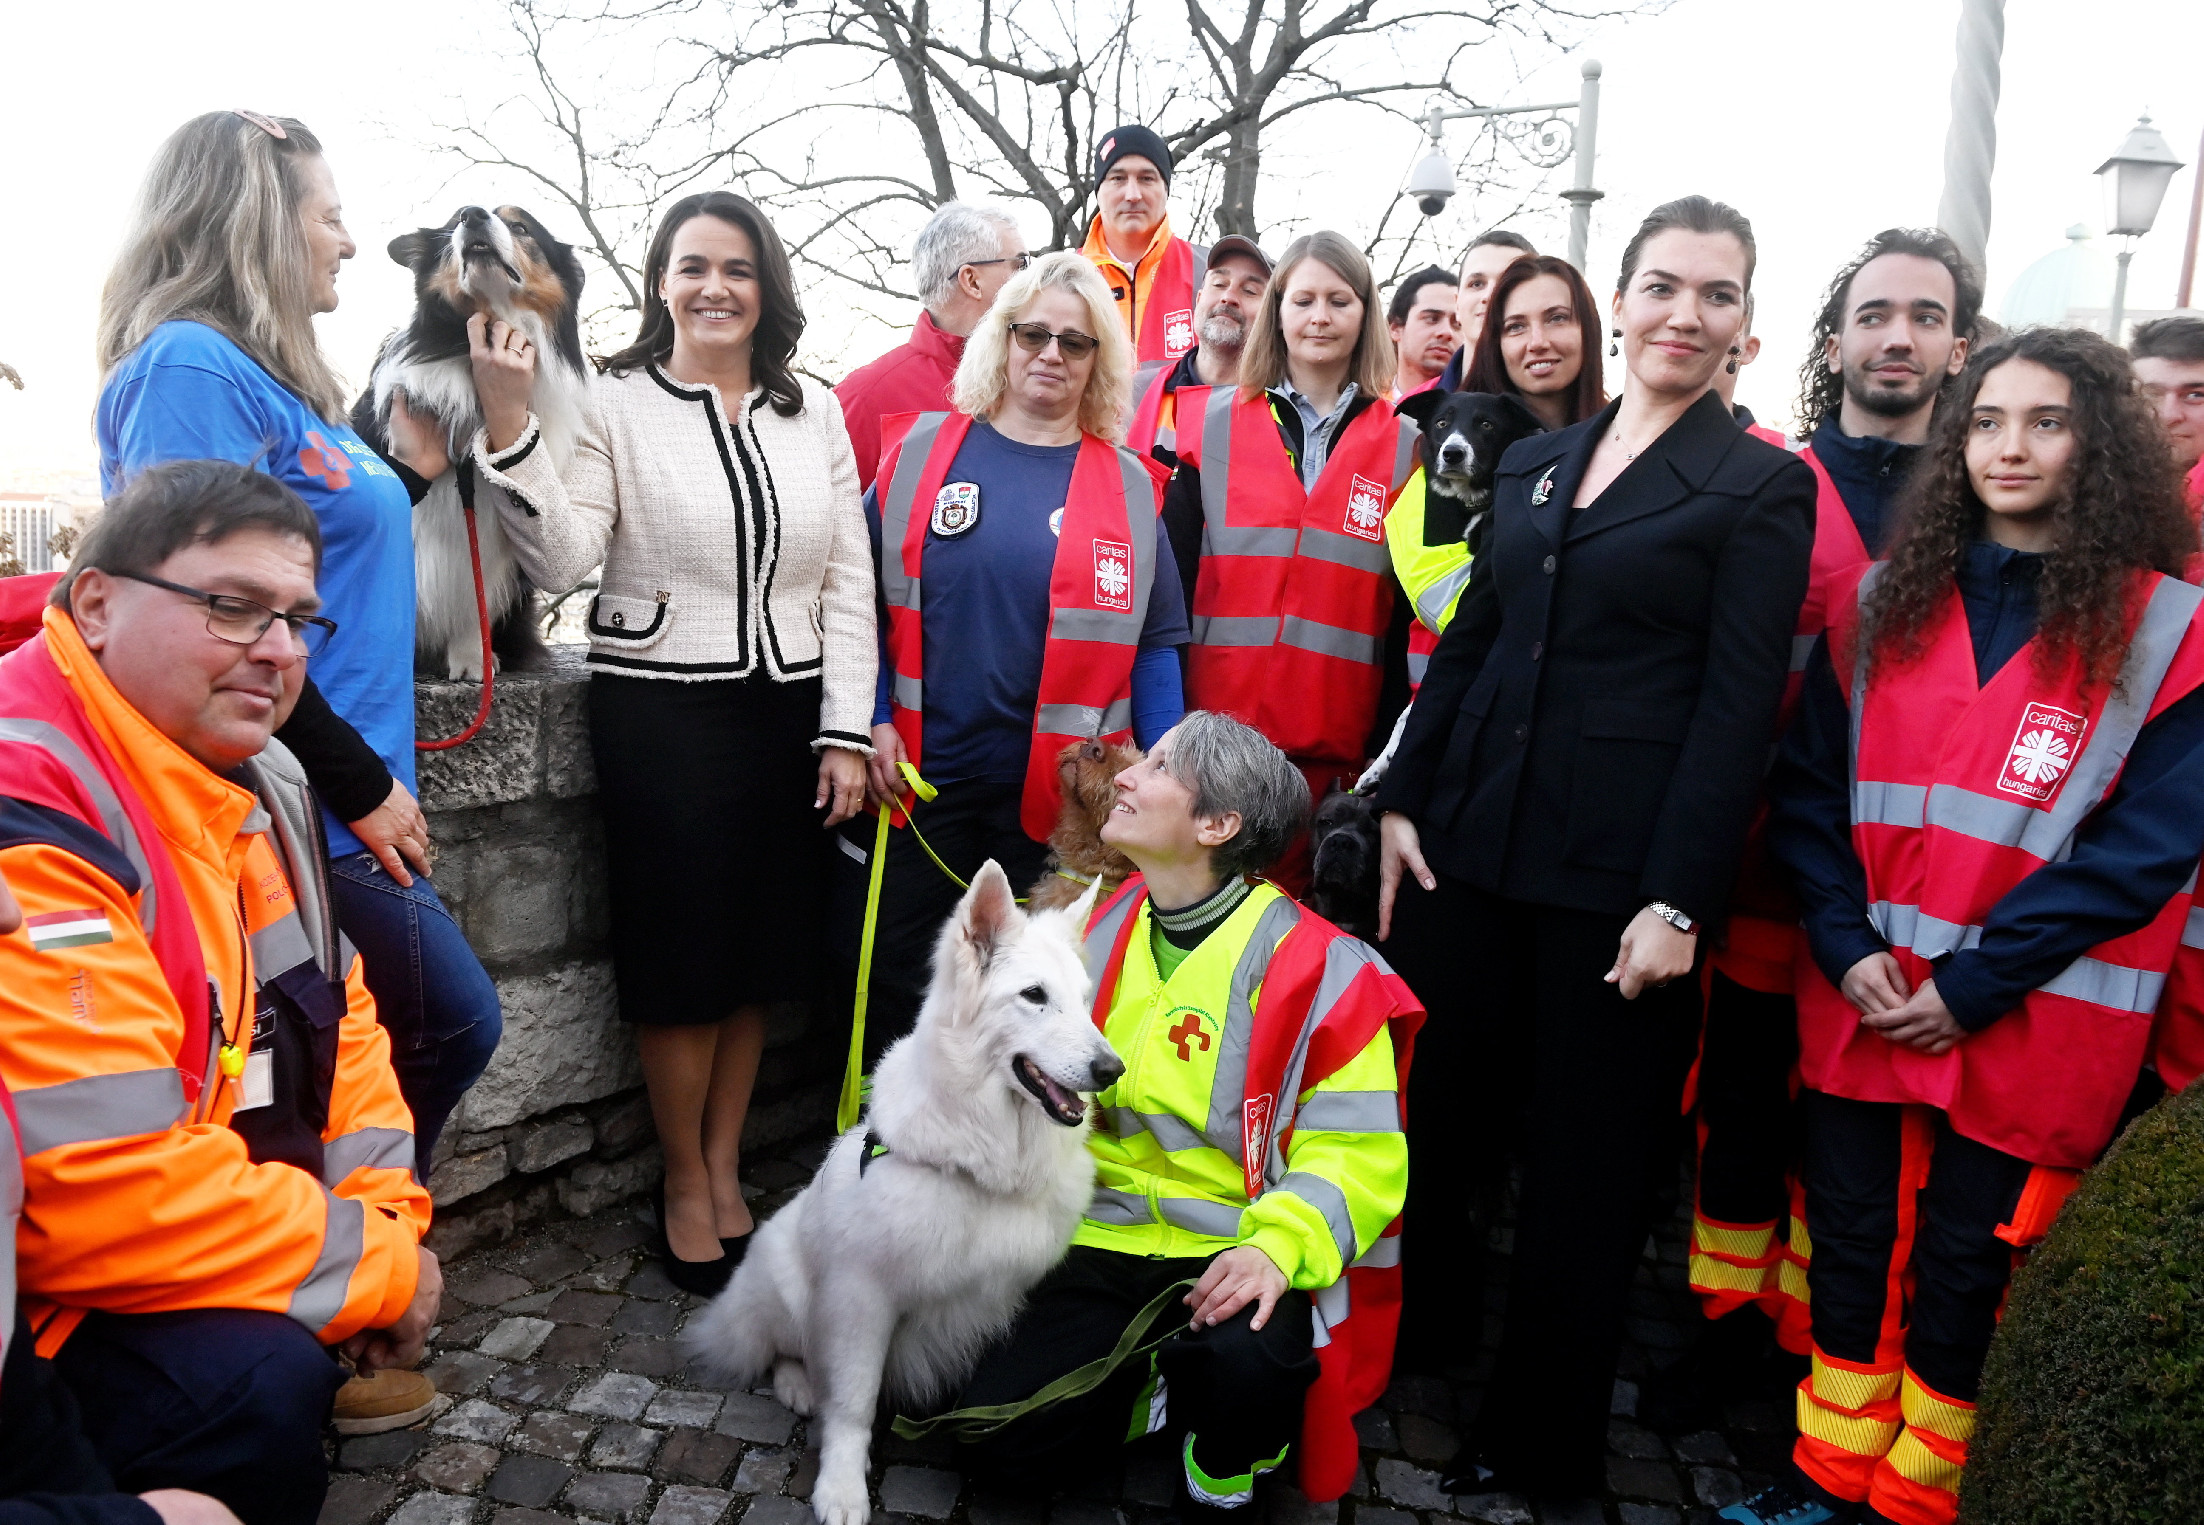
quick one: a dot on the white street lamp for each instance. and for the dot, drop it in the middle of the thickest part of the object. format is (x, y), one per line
(2135, 180)
(1547, 141)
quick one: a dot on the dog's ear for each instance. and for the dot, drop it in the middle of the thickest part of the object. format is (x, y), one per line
(1422, 407)
(1519, 412)
(988, 914)
(408, 247)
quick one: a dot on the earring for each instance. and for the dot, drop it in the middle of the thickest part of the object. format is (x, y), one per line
(1732, 366)
(1615, 346)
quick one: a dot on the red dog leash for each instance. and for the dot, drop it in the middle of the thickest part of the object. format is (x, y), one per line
(482, 609)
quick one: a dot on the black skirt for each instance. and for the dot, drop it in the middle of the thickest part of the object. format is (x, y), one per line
(715, 856)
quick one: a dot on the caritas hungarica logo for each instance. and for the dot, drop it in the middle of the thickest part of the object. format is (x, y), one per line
(2043, 751)
(1113, 575)
(1365, 509)
(1178, 333)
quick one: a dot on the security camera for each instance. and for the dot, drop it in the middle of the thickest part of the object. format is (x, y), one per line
(1431, 183)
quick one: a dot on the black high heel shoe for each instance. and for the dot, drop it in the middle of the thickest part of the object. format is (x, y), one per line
(700, 1278)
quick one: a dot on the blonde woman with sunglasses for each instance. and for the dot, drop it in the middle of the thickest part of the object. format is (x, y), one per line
(1051, 611)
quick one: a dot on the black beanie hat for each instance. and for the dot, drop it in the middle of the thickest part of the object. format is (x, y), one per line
(1135, 140)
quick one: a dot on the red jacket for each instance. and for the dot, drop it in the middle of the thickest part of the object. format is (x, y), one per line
(914, 377)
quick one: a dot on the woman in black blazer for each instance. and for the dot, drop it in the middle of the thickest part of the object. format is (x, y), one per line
(1570, 797)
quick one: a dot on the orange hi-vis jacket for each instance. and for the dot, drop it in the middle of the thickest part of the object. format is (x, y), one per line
(1296, 587)
(1156, 296)
(168, 913)
(1098, 593)
(1959, 792)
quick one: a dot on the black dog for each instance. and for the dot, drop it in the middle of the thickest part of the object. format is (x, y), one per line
(1464, 436)
(1343, 868)
(507, 264)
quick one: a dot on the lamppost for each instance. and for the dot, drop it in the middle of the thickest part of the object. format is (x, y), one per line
(2135, 180)
(1547, 142)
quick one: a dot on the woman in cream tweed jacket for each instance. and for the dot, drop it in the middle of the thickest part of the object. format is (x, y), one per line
(731, 639)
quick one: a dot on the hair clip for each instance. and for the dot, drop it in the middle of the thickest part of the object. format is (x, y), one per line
(266, 124)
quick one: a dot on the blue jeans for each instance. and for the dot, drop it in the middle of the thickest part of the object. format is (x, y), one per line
(220, 1400)
(432, 994)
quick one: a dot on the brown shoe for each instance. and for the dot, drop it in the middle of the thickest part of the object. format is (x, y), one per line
(387, 1400)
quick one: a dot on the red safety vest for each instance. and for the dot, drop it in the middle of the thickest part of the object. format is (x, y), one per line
(1357, 1316)
(1145, 429)
(11, 1208)
(1097, 594)
(2177, 1040)
(1167, 327)
(1959, 792)
(1295, 588)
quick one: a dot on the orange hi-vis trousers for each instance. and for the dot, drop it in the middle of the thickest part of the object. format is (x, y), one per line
(1749, 1243)
(1916, 1231)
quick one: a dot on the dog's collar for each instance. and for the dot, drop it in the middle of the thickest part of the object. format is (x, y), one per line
(870, 1150)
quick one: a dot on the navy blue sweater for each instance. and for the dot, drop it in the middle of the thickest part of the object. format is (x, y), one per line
(2129, 858)
(1867, 472)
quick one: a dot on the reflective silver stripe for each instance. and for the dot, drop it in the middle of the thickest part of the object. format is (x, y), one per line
(99, 1107)
(1405, 463)
(1228, 1087)
(1330, 640)
(1345, 550)
(1101, 937)
(1171, 1134)
(2192, 931)
(1432, 602)
(320, 1297)
(1119, 627)
(11, 1207)
(910, 692)
(1905, 926)
(1119, 1207)
(1802, 647)
(2086, 979)
(896, 506)
(2112, 985)
(1349, 1112)
(279, 947)
(1235, 630)
(1216, 468)
(113, 818)
(1197, 1215)
(1253, 540)
(1333, 1304)
(365, 1149)
(1985, 817)
(1419, 663)
(1144, 378)
(1329, 1200)
(1876, 803)
(1143, 507)
(1084, 719)
(1381, 1256)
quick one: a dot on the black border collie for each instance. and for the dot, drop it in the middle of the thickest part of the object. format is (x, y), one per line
(507, 264)
(1464, 436)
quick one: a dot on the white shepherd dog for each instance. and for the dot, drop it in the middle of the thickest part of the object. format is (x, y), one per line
(897, 1269)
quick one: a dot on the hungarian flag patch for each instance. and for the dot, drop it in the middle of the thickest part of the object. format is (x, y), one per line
(68, 929)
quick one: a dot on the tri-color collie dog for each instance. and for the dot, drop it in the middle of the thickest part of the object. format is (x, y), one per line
(507, 264)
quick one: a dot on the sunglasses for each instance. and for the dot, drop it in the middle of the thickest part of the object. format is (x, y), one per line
(241, 622)
(1034, 337)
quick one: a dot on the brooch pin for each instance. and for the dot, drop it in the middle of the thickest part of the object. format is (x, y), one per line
(1544, 489)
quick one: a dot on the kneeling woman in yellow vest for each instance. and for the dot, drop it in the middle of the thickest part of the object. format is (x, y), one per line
(1253, 1148)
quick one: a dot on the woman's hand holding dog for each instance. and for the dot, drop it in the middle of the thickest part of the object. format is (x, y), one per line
(1399, 847)
(504, 377)
(842, 779)
(1235, 1279)
(419, 445)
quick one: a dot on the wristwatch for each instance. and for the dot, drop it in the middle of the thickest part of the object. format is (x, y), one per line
(1674, 918)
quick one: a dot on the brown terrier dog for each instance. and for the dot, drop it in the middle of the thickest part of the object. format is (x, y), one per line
(1076, 854)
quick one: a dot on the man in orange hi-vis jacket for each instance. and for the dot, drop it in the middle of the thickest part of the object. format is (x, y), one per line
(217, 1163)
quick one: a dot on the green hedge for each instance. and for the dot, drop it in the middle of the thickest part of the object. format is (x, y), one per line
(2092, 1409)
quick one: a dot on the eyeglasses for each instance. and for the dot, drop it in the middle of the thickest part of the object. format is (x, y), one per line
(1021, 261)
(1034, 337)
(241, 622)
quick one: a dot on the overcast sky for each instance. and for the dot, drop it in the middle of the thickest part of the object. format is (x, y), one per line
(1822, 121)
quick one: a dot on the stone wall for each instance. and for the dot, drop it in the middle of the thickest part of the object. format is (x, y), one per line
(558, 1125)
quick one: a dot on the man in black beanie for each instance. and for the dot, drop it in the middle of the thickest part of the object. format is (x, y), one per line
(1153, 275)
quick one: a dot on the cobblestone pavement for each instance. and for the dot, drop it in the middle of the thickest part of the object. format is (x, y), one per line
(571, 1404)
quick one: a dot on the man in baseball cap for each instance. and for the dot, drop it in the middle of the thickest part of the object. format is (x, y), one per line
(1152, 274)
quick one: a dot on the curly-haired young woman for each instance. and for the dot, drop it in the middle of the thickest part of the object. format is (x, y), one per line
(1992, 804)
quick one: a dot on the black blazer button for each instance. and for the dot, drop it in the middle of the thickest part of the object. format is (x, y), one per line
(1538, 649)
(1549, 566)
(1522, 733)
